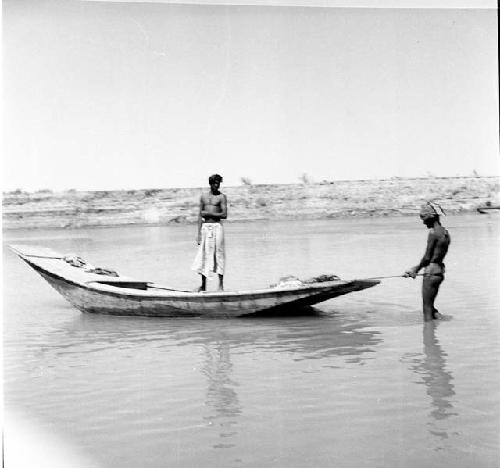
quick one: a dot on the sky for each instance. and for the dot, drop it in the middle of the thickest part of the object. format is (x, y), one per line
(103, 95)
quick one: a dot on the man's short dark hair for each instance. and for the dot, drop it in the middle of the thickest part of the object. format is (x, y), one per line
(214, 178)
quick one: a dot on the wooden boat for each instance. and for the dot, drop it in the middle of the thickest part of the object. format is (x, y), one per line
(118, 295)
(488, 209)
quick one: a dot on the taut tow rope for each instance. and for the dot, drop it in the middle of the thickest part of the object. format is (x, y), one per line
(394, 276)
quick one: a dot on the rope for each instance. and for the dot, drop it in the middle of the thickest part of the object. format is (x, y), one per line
(387, 277)
(171, 289)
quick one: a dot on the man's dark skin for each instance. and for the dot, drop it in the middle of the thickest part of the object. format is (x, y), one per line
(437, 248)
(213, 208)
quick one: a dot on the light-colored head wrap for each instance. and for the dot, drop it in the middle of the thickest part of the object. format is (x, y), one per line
(428, 211)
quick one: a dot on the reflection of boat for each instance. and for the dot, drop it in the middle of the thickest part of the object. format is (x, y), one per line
(313, 335)
(104, 293)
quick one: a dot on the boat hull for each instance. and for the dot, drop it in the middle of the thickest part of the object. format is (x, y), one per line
(106, 297)
(488, 209)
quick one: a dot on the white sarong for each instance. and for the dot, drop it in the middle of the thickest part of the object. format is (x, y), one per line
(210, 257)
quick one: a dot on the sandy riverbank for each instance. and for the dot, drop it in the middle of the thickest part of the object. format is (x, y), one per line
(391, 197)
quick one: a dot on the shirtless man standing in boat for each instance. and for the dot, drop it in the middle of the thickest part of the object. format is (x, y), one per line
(437, 248)
(210, 257)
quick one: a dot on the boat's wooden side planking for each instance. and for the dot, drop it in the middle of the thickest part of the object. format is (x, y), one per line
(86, 292)
(90, 300)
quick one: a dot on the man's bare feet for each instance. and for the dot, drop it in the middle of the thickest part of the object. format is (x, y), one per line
(436, 315)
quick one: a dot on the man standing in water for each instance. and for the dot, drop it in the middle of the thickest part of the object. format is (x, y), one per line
(437, 247)
(210, 257)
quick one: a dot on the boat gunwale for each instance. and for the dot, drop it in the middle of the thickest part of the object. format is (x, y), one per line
(129, 293)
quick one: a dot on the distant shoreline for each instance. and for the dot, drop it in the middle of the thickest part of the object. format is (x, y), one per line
(326, 200)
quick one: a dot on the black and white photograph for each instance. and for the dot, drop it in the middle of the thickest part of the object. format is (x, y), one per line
(250, 234)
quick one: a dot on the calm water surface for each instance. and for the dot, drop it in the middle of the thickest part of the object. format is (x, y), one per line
(361, 381)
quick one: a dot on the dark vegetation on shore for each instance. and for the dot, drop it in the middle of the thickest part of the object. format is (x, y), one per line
(362, 198)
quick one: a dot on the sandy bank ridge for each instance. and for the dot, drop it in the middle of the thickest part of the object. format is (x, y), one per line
(362, 198)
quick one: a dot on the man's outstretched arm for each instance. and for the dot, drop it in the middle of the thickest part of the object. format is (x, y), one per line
(426, 259)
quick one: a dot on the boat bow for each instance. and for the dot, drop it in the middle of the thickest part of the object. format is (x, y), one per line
(100, 290)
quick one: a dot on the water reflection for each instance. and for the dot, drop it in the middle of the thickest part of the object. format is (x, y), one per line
(437, 380)
(221, 392)
(159, 351)
(131, 388)
(312, 336)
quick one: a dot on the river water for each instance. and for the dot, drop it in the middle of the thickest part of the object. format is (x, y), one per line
(360, 381)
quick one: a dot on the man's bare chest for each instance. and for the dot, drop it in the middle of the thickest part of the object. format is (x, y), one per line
(213, 200)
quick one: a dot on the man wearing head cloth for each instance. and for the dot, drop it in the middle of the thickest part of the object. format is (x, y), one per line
(438, 242)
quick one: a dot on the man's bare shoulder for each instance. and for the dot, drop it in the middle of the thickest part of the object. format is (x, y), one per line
(441, 233)
(432, 235)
